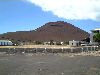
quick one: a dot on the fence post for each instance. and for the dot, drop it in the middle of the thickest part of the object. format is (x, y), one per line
(71, 50)
(36, 50)
(45, 50)
(82, 49)
(94, 48)
(62, 50)
(97, 48)
(87, 49)
(91, 48)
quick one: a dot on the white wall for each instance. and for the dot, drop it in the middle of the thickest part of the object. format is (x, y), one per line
(91, 37)
(73, 43)
(6, 43)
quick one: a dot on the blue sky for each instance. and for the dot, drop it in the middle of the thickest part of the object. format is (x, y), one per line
(27, 15)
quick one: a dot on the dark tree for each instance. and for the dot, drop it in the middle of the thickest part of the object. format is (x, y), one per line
(51, 42)
(96, 37)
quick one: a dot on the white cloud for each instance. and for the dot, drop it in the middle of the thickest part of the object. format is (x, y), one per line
(71, 9)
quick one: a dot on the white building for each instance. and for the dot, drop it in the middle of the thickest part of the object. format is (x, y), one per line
(74, 43)
(5, 43)
(93, 33)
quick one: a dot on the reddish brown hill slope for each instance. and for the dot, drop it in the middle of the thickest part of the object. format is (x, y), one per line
(58, 31)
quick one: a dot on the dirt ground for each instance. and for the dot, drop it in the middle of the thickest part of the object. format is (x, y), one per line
(49, 64)
(37, 46)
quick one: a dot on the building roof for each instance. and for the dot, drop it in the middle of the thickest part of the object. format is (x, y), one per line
(96, 29)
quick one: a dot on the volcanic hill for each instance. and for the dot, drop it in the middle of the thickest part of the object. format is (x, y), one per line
(57, 31)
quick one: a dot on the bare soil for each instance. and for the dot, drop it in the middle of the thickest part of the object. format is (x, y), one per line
(49, 64)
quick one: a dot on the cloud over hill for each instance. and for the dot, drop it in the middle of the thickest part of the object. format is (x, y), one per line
(71, 9)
